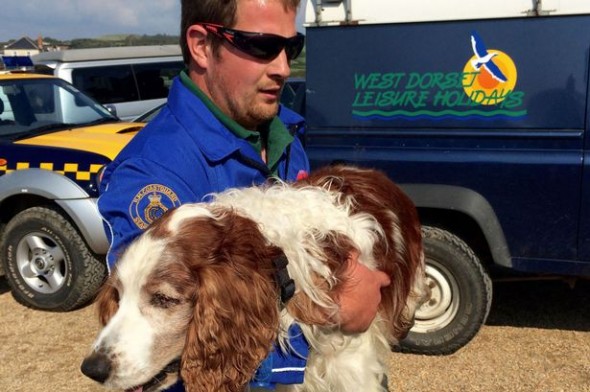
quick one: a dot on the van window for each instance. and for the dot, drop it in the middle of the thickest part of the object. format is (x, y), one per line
(126, 83)
(154, 79)
(110, 84)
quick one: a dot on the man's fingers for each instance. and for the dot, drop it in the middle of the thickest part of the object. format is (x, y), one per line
(383, 279)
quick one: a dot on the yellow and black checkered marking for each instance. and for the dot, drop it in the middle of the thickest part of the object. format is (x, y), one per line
(74, 171)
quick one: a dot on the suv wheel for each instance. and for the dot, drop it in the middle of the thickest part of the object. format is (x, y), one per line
(47, 263)
(461, 296)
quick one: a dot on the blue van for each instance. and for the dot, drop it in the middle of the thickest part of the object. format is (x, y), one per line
(480, 111)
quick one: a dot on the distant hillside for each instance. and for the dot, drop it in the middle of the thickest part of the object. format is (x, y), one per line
(113, 37)
(124, 40)
(298, 65)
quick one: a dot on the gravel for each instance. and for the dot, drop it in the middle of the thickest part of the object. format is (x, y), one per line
(537, 338)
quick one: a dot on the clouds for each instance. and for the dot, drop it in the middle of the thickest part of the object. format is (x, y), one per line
(67, 19)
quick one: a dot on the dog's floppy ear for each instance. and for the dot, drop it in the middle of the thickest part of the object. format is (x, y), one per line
(235, 319)
(107, 301)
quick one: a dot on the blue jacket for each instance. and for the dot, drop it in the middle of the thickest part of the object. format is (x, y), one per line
(181, 156)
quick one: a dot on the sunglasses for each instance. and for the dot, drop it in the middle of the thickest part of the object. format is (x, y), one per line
(260, 45)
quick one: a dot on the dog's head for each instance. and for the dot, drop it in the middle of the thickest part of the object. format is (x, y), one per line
(197, 289)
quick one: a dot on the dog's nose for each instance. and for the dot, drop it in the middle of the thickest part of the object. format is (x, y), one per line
(96, 366)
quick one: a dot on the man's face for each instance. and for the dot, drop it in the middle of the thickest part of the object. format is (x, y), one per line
(246, 88)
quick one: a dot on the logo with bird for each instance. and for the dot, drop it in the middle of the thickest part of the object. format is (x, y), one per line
(496, 76)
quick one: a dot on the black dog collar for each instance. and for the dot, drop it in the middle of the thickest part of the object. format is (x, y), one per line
(286, 284)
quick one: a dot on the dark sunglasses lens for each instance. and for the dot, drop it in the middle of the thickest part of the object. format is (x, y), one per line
(265, 47)
(268, 47)
(295, 46)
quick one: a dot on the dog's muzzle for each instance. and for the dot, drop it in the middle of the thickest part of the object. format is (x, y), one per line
(98, 367)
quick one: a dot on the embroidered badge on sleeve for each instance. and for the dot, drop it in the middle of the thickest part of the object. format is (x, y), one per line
(150, 203)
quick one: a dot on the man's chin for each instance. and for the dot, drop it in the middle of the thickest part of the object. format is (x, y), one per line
(265, 112)
(256, 115)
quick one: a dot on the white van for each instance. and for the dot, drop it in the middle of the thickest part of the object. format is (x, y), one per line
(130, 79)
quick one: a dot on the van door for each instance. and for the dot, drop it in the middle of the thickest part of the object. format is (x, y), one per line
(584, 216)
(414, 100)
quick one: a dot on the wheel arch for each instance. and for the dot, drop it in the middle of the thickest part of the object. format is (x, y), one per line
(43, 183)
(35, 187)
(467, 214)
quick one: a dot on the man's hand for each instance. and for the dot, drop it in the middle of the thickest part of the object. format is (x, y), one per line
(360, 295)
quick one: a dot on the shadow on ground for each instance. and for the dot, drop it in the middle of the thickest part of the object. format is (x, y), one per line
(533, 304)
(541, 304)
(4, 288)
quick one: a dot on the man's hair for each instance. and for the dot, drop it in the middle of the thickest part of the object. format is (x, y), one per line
(222, 12)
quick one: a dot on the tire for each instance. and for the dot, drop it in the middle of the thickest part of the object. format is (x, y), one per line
(461, 296)
(2, 273)
(47, 263)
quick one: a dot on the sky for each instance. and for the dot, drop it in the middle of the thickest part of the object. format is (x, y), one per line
(69, 19)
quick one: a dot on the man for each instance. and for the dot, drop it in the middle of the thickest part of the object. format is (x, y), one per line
(223, 127)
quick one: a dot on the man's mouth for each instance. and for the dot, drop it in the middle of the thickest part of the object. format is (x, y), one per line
(159, 379)
(272, 91)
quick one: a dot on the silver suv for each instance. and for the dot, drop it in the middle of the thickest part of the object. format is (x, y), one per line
(54, 140)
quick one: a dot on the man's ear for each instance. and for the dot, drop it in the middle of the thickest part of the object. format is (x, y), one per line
(198, 45)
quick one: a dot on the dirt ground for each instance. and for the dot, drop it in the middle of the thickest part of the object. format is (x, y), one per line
(537, 338)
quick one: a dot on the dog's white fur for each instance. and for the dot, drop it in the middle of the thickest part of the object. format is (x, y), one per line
(338, 362)
(147, 329)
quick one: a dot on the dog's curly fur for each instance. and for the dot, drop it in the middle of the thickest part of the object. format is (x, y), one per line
(199, 284)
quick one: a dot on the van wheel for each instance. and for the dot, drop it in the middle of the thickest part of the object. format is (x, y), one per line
(47, 263)
(461, 296)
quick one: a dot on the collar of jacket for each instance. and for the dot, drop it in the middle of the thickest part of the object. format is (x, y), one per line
(279, 137)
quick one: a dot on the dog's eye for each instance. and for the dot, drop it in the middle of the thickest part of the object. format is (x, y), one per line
(163, 301)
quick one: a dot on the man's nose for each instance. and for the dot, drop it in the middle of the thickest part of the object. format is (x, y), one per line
(281, 65)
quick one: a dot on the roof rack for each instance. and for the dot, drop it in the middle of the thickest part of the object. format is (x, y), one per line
(119, 52)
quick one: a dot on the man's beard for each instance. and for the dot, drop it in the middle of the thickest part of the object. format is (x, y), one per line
(257, 115)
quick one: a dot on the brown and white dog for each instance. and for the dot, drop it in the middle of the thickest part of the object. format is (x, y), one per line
(200, 285)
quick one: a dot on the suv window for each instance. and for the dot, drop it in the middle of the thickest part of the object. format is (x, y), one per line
(32, 106)
(116, 83)
(6, 114)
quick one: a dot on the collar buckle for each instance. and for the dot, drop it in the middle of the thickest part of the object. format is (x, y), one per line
(286, 284)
